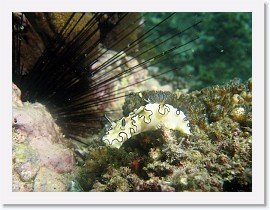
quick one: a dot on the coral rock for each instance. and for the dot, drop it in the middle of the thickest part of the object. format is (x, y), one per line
(41, 160)
(216, 157)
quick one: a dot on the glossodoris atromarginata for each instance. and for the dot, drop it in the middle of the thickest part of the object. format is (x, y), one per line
(146, 118)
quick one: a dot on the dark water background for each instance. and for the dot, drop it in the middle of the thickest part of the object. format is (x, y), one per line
(222, 52)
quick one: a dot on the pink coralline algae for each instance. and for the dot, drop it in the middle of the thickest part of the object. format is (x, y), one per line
(41, 160)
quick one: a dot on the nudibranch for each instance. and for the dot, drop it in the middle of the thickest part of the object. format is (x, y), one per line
(150, 117)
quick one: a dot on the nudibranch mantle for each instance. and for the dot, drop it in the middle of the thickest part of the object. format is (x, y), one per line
(146, 118)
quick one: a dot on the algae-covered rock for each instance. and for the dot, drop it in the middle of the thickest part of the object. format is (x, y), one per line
(49, 181)
(217, 156)
(41, 159)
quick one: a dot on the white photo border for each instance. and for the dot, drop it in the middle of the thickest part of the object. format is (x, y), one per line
(257, 196)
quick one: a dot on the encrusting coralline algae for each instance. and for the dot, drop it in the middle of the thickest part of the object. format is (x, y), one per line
(40, 158)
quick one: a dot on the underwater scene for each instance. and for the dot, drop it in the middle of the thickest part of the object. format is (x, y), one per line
(131, 102)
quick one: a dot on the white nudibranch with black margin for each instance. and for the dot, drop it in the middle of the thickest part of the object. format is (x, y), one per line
(146, 118)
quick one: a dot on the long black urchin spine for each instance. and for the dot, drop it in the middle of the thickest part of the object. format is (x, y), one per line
(65, 77)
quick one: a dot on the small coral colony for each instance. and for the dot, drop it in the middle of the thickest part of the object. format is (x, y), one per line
(94, 108)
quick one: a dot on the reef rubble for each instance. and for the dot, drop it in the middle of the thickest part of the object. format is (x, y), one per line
(217, 157)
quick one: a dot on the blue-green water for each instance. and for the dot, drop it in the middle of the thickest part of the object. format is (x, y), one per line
(222, 52)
